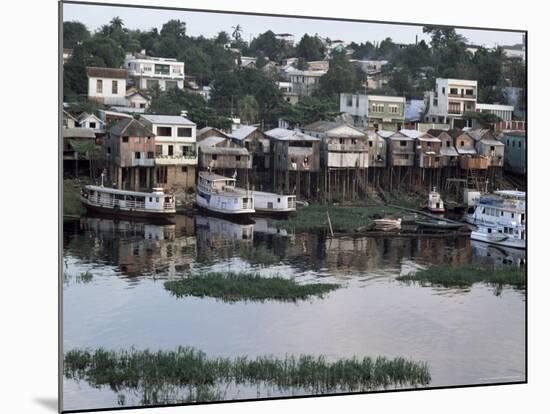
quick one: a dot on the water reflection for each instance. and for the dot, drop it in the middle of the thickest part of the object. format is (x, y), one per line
(140, 249)
(123, 303)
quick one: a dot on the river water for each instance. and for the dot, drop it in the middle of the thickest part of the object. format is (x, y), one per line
(467, 336)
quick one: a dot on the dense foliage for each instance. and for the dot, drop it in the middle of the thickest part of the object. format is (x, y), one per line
(252, 93)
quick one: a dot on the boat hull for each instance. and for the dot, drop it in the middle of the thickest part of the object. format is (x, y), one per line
(497, 241)
(128, 213)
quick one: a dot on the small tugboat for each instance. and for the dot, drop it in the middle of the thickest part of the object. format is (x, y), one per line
(217, 194)
(126, 203)
(435, 203)
(271, 203)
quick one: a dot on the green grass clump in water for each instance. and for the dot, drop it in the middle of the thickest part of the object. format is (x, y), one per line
(233, 287)
(71, 199)
(465, 276)
(344, 218)
(159, 376)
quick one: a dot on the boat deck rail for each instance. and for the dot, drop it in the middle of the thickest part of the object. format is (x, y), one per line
(131, 204)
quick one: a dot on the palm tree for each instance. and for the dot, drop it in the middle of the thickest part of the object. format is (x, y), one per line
(116, 23)
(248, 109)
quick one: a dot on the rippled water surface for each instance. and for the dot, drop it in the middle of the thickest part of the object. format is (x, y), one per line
(114, 298)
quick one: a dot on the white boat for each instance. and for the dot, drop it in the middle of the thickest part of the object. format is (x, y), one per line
(387, 224)
(218, 194)
(501, 235)
(128, 203)
(274, 203)
(435, 203)
(504, 207)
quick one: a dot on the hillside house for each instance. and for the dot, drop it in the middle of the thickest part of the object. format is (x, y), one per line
(488, 146)
(175, 151)
(427, 148)
(149, 72)
(107, 85)
(400, 149)
(130, 150)
(449, 154)
(225, 157)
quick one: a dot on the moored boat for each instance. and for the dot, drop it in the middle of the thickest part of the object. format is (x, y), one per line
(387, 224)
(217, 194)
(501, 235)
(272, 203)
(435, 203)
(155, 204)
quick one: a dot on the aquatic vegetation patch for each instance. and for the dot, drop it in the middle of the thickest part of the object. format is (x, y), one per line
(71, 199)
(237, 286)
(344, 219)
(156, 376)
(466, 276)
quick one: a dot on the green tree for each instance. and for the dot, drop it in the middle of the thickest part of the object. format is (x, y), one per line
(340, 77)
(248, 109)
(310, 48)
(268, 44)
(74, 33)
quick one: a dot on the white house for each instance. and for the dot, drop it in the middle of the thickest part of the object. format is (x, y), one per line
(450, 100)
(148, 71)
(107, 85)
(504, 112)
(175, 150)
(90, 121)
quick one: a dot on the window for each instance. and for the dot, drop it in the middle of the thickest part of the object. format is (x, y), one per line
(238, 157)
(164, 131)
(150, 155)
(436, 102)
(377, 108)
(469, 92)
(171, 84)
(114, 88)
(137, 155)
(448, 143)
(92, 125)
(513, 143)
(184, 169)
(370, 144)
(150, 199)
(125, 139)
(161, 174)
(453, 91)
(349, 100)
(109, 150)
(99, 86)
(142, 105)
(170, 150)
(184, 132)
(162, 69)
(519, 144)
(394, 109)
(461, 143)
(214, 156)
(402, 143)
(158, 149)
(443, 91)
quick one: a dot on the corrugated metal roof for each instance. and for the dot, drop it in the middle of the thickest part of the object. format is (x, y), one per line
(449, 151)
(243, 132)
(466, 151)
(224, 151)
(491, 142)
(385, 134)
(211, 141)
(329, 126)
(130, 127)
(282, 134)
(113, 73)
(78, 133)
(167, 119)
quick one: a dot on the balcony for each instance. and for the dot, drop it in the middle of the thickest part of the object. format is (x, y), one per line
(348, 147)
(462, 96)
(178, 159)
(143, 162)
